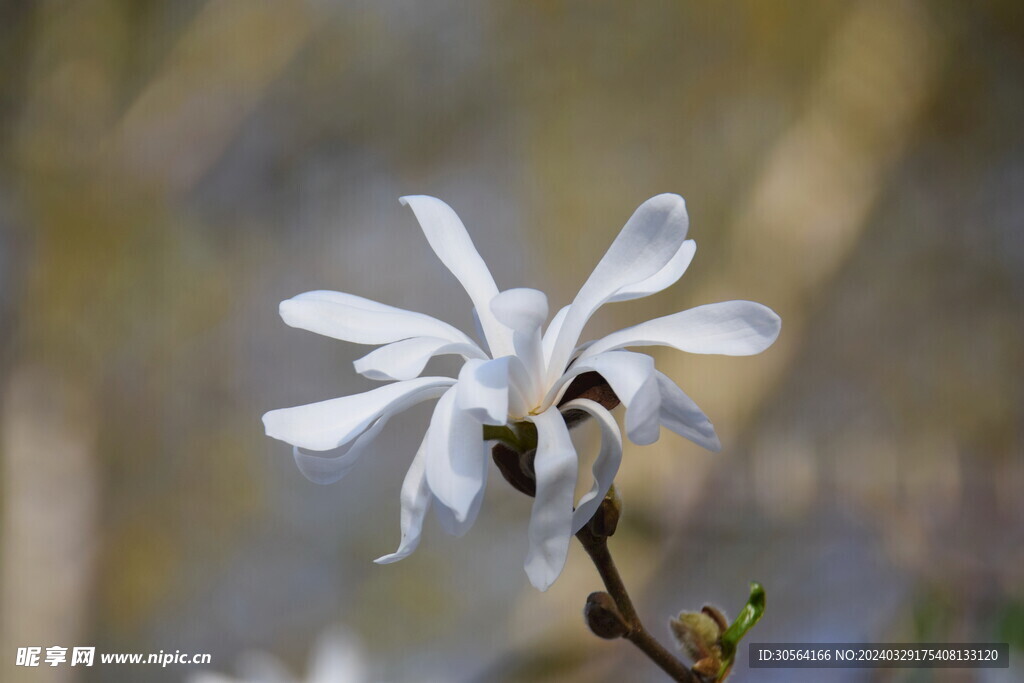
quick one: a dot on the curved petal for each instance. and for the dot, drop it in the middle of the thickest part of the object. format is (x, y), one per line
(450, 241)
(521, 308)
(456, 457)
(479, 328)
(452, 526)
(648, 241)
(415, 500)
(551, 333)
(680, 414)
(730, 328)
(354, 319)
(406, 359)
(321, 469)
(663, 279)
(524, 312)
(482, 390)
(551, 519)
(632, 378)
(329, 424)
(606, 466)
(521, 400)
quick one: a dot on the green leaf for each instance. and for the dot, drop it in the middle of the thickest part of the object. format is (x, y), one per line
(748, 616)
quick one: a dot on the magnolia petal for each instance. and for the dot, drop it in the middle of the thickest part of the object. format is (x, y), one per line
(551, 333)
(605, 467)
(329, 424)
(730, 328)
(524, 312)
(521, 308)
(448, 238)
(321, 469)
(480, 333)
(632, 378)
(456, 457)
(354, 319)
(452, 526)
(680, 414)
(482, 390)
(551, 519)
(405, 359)
(648, 241)
(521, 398)
(415, 500)
(663, 279)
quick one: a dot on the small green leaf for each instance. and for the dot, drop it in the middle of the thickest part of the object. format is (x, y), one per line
(746, 619)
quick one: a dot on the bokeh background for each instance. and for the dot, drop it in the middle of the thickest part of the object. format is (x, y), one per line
(170, 171)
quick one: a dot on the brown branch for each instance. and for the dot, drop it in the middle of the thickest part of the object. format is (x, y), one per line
(597, 548)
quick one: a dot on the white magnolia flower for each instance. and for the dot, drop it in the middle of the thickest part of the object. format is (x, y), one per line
(515, 373)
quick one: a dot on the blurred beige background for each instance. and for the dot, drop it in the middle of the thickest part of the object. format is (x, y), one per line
(170, 171)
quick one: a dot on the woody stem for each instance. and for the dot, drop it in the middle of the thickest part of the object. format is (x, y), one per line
(597, 548)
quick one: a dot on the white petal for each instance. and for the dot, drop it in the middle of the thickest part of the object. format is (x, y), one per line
(645, 245)
(482, 390)
(456, 457)
(479, 328)
(329, 469)
(362, 321)
(664, 278)
(730, 328)
(524, 311)
(333, 423)
(632, 378)
(521, 308)
(606, 466)
(406, 359)
(680, 414)
(450, 241)
(521, 398)
(551, 333)
(551, 519)
(415, 500)
(452, 526)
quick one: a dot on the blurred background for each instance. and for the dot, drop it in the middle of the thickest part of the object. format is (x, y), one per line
(170, 171)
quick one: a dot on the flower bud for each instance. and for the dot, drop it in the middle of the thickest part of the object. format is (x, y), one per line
(603, 616)
(699, 636)
(606, 519)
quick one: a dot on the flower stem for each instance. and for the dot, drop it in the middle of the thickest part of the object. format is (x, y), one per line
(597, 548)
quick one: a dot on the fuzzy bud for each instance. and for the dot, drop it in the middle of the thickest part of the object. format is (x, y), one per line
(699, 636)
